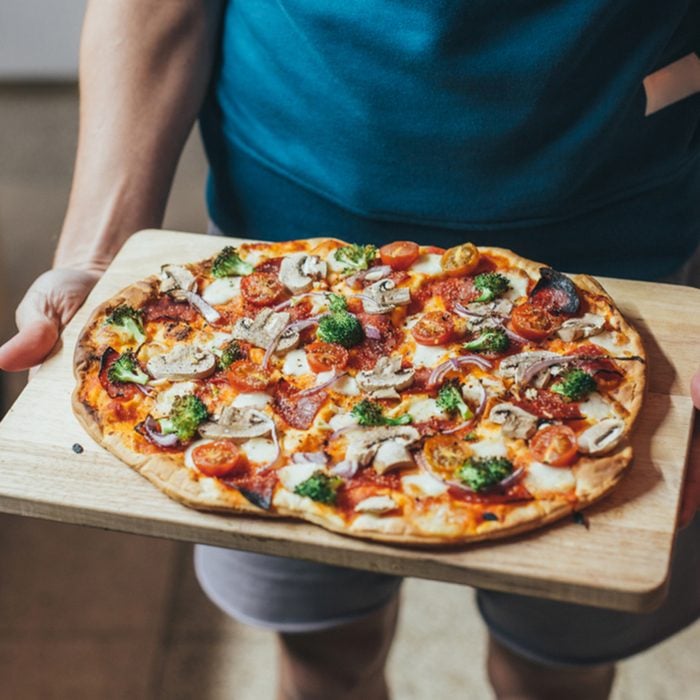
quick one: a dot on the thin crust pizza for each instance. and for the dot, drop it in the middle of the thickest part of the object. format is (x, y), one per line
(408, 394)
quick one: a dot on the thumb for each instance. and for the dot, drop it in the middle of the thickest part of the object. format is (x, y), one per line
(34, 341)
(695, 389)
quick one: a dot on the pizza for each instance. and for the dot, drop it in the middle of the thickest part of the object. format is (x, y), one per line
(407, 394)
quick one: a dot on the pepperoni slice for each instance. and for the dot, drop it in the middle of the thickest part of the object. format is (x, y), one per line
(547, 404)
(166, 308)
(116, 390)
(261, 288)
(299, 412)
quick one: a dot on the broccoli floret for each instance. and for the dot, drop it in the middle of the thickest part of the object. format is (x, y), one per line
(340, 327)
(481, 474)
(491, 285)
(493, 340)
(228, 263)
(127, 369)
(319, 487)
(127, 321)
(450, 400)
(575, 385)
(355, 256)
(185, 417)
(337, 302)
(370, 413)
(230, 353)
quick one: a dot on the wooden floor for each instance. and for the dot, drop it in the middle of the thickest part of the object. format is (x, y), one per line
(87, 614)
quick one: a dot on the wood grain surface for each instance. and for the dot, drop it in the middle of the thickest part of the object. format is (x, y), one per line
(620, 561)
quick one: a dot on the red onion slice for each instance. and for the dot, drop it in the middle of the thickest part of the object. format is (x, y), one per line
(298, 297)
(514, 336)
(152, 429)
(457, 428)
(305, 322)
(209, 313)
(347, 468)
(273, 346)
(309, 457)
(536, 367)
(454, 363)
(373, 333)
(464, 312)
(318, 387)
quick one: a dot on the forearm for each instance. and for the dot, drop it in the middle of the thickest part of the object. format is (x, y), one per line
(144, 70)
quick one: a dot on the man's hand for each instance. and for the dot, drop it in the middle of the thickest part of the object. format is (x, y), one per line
(691, 491)
(46, 308)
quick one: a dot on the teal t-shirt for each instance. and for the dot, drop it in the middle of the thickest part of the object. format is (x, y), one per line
(505, 122)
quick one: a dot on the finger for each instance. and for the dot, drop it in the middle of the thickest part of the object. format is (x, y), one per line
(695, 390)
(30, 346)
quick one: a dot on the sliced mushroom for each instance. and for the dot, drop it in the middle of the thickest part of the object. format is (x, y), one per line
(182, 362)
(517, 366)
(386, 379)
(177, 277)
(602, 437)
(482, 315)
(391, 455)
(265, 328)
(584, 327)
(238, 424)
(299, 270)
(516, 422)
(363, 443)
(383, 297)
(377, 505)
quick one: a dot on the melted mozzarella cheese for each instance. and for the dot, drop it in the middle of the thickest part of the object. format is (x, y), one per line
(428, 264)
(341, 420)
(428, 355)
(596, 407)
(423, 485)
(252, 256)
(259, 450)
(215, 341)
(518, 285)
(423, 410)
(256, 399)
(294, 474)
(489, 445)
(610, 341)
(319, 303)
(164, 401)
(295, 363)
(222, 290)
(541, 477)
(333, 263)
(347, 386)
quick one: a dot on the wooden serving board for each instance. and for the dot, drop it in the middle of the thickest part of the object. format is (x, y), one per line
(621, 561)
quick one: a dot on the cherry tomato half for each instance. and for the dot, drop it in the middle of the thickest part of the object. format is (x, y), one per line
(533, 322)
(261, 288)
(446, 453)
(326, 356)
(399, 255)
(248, 376)
(460, 260)
(554, 445)
(434, 328)
(217, 458)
